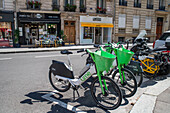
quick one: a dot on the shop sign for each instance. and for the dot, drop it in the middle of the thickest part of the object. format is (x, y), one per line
(24, 15)
(96, 19)
(0, 17)
(39, 16)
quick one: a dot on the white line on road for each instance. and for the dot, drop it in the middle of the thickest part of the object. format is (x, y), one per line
(46, 56)
(5, 58)
(62, 104)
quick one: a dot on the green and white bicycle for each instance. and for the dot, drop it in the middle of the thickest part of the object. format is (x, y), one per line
(104, 90)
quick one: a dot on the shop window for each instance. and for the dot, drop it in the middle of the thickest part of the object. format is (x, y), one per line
(5, 30)
(121, 39)
(88, 32)
(137, 3)
(1, 4)
(51, 28)
(55, 5)
(149, 4)
(106, 35)
(101, 6)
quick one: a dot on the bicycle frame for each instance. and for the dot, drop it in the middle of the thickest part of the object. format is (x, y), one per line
(84, 77)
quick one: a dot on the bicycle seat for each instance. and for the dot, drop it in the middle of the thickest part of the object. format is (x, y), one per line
(66, 52)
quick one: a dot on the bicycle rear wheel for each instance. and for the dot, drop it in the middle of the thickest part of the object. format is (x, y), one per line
(58, 84)
(129, 86)
(112, 97)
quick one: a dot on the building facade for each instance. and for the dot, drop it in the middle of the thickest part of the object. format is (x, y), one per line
(87, 21)
(132, 16)
(7, 20)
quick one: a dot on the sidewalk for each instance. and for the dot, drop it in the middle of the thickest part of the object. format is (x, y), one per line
(156, 99)
(24, 50)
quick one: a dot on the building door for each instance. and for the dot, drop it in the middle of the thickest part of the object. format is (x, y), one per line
(159, 27)
(69, 31)
(98, 35)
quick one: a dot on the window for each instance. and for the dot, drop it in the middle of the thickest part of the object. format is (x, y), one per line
(106, 35)
(83, 6)
(33, 4)
(148, 22)
(123, 2)
(1, 4)
(135, 22)
(71, 2)
(101, 6)
(122, 20)
(52, 28)
(137, 3)
(88, 32)
(149, 4)
(121, 39)
(161, 4)
(55, 5)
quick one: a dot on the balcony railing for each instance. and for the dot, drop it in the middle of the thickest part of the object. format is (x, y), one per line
(149, 6)
(56, 7)
(162, 8)
(70, 8)
(137, 5)
(82, 9)
(101, 10)
(35, 7)
(123, 3)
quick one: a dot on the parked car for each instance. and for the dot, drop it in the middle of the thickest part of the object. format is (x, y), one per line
(161, 41)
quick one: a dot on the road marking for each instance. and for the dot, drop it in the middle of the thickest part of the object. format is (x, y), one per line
(62, 104)
(5, 58)
(47, 56)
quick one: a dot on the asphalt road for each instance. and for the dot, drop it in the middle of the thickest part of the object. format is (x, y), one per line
(24, 80)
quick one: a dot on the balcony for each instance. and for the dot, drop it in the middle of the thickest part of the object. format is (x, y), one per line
(70, 8)
(149, 6)
(55, 7)
(123, 3)
(33, 5)
(101, 10)
(82, 9)
(162, 8)
(137, 5)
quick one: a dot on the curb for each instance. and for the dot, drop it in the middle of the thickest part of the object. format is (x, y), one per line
(26, 50)
(147, 101)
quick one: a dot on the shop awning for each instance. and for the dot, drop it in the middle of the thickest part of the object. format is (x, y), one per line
(89, 24)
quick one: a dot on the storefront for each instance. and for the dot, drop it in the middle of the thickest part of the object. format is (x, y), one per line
(95, 29)
(7, 26)
(37, 26)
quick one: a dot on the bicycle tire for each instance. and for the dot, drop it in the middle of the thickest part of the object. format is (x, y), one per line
(129, 76)
(113, 90)
(64, 88)
(139, 78)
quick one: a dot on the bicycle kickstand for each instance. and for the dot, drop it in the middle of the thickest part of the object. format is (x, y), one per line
(74, 89)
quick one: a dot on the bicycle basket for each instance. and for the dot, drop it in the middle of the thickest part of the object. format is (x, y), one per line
(123, 55)
(103, 60)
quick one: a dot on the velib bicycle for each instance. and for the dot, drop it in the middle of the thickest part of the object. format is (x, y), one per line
(104, 90)
(122, 76)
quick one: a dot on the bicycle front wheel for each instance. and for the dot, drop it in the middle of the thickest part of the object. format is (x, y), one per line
(129, 85)
(112, 97)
